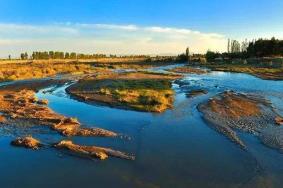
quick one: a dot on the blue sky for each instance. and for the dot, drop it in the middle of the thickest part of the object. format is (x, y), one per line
(134, 26)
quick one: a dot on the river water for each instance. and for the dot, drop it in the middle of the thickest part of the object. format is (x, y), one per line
(173, 149)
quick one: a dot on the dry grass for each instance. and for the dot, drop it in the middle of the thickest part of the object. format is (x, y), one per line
(29, 70)
(189, 70)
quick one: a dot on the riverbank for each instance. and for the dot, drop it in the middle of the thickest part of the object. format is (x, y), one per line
(264, 73)
(263, 68)
(188, 70)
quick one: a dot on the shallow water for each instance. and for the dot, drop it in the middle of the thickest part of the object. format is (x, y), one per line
(173, 149)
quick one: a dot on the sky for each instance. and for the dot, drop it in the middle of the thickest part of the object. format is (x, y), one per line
(134, 26)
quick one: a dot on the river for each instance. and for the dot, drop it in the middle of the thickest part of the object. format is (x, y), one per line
(173, 149)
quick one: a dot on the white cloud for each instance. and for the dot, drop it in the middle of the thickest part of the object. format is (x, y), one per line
(111, 27)
(105, 38)
(36, 29)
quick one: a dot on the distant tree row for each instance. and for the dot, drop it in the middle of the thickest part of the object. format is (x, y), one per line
(72, 55)
(263, 47)
(257, 48)
(60, 55)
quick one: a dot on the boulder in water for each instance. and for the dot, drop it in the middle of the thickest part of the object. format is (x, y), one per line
(27, 142)
(279, 120)
(92, 151)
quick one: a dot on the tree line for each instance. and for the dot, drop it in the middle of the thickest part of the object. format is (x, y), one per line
(256, 48)
(67, 55)
(263, 48)
(59, 55)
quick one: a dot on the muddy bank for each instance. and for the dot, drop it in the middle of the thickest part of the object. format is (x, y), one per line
(261, 72)
(231, 111)
(34, 85)
(23, 106)
(196, 92)
(92, 151)
(142, 91)
(19, 106)
(189, 70)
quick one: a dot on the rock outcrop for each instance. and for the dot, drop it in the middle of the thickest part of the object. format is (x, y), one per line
(71, 127)
(279, 120)
(27, 142)
(92, 151)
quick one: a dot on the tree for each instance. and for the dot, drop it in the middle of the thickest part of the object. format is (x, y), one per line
(265, 47)
(51, 54)
(61, 55)
(26, 55)
(245, 45)
(235, 46)
(228, 47)
(211, 56)
(73, 55)
(67, 55)
(57, 55)
(22, 56)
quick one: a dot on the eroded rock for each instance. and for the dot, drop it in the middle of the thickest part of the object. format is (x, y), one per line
(27, 142)
(3, 119)
(279, 120)
(92, 151)
(71, 127)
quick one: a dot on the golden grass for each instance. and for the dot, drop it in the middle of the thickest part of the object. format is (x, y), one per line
(189, 70)
(28, 69)
(152, 100)
(25, 70)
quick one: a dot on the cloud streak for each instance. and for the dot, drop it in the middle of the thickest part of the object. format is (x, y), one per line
(105, 38)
